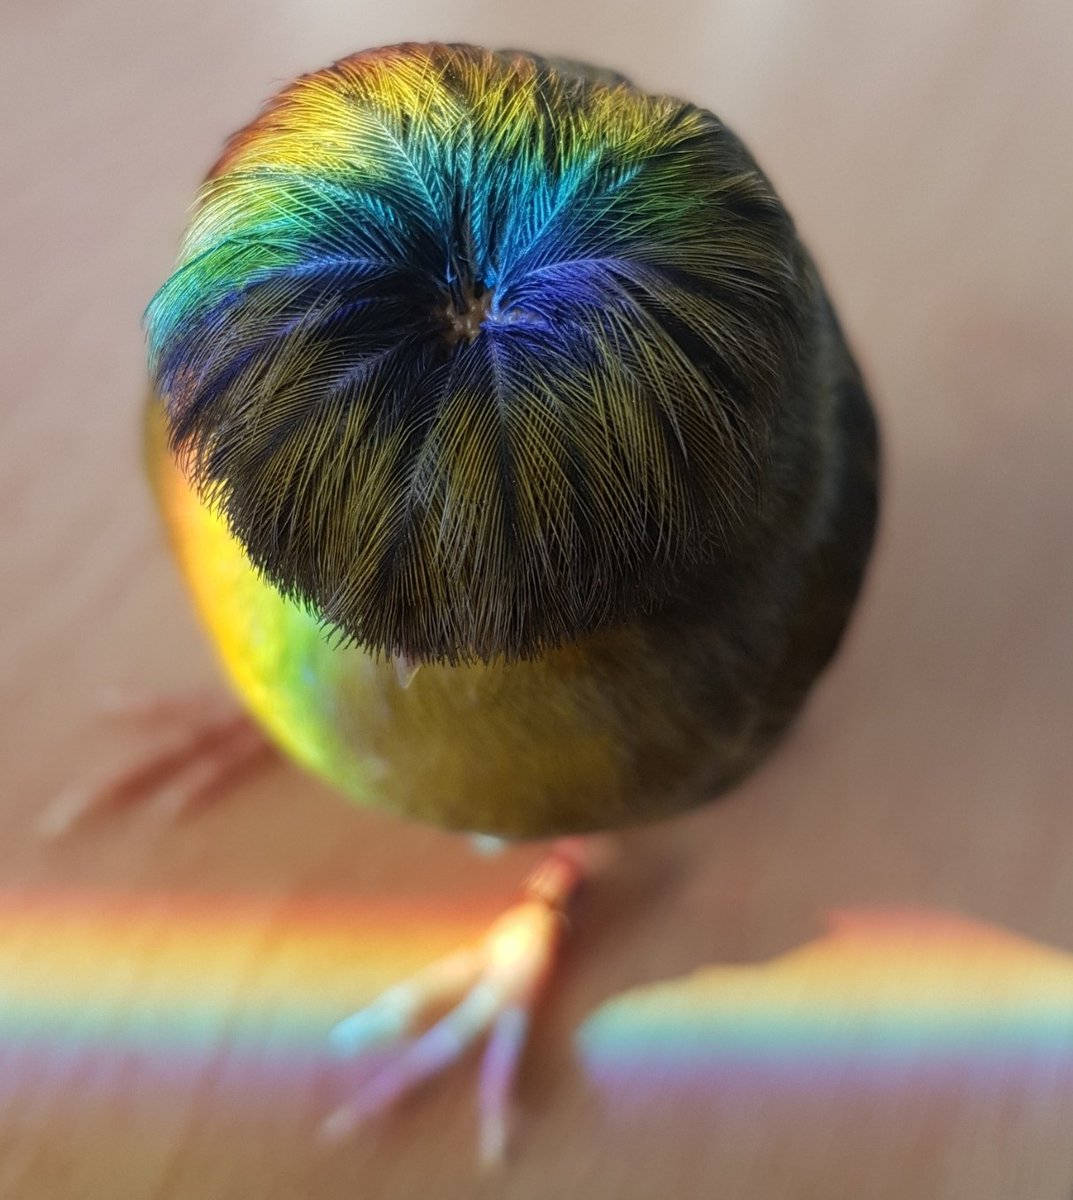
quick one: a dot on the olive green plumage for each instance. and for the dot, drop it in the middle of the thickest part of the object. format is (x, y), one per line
(603, 637)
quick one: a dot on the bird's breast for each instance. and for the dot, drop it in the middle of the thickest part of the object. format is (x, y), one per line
(622, 727)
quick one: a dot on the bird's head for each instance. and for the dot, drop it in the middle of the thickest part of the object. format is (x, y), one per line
(478, 353)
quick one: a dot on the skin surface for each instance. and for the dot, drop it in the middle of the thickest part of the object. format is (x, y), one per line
(625, 720)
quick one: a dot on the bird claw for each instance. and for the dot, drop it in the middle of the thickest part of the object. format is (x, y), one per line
(496, 985)
(210, 746)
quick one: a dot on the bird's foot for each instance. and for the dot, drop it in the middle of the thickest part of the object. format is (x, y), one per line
(494, 986)
(201, 743)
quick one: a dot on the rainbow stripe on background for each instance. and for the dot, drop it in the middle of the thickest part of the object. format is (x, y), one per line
(95, 987)
(881, 997)
(158, 985)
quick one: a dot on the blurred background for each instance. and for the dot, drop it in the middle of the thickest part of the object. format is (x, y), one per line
(852, 978)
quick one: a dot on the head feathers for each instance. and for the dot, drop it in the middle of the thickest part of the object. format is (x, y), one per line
(476, 352)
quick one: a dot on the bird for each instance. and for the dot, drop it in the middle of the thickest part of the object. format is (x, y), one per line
(519, 468)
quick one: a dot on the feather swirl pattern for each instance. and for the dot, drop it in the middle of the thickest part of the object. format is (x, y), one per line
(478, 352)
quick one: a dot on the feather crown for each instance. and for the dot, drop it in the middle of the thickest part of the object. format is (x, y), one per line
(478, 352)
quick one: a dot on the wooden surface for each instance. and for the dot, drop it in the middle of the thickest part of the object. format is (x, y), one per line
(166, 989)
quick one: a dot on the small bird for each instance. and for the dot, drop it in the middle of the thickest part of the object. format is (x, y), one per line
(517, 463)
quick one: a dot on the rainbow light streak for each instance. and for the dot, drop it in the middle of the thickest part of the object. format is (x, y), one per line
(97, 988)
(158, 985)
(881, 997)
